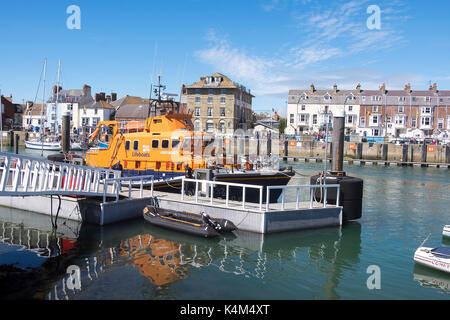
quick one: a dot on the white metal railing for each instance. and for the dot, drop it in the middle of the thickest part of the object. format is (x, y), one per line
(244, 187)
(312, 189)
(28, 176)
(118, 183)
(227, 185)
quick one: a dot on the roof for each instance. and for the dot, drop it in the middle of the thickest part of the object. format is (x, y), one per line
(129, 100)
(225, 83)
(139, 111)
(99, 105)
(35, 110)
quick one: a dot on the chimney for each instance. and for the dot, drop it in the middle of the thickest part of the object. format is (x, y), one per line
(335, 88)
(434, 88)
(358, 88)
(383, 88)
(113, 96)
(108, 98)
(97, 97)
(313, 89)
(408, 87)
(87, 90)
(103, 96)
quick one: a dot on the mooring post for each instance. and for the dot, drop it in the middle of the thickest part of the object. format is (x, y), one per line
(338, 142)
(65, 133)
(16, 145)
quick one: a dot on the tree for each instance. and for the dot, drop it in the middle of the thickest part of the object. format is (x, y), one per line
(282, 125)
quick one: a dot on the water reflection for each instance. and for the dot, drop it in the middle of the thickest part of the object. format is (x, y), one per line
(430, 278)
(164, 258)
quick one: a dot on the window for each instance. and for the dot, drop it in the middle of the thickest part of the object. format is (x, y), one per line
(400, 120)
(210, 112)
(210, 91)
(426, 121)
(303, 118)
(197, 125)
(303, 107)
(327, 97)
(426, 110)
(427, 99)
(350, 119)
(165, 144)
(363, 121)
(401, 109)
(197, 99)
(376, 132)
(210, 100)
(209, 127)
(197, 111)
(222, 127)
(314, 121)
(291, 118)
(376, 98)
(222, 112)
(223, 91)
(175, 143)
(401, 98)
(440, 123)
(413, 123)
(197, 91)
(222, 100)
(85, 122)
(350, 108)
(95, 121)
(375, 109)
(388, 119)
(136, 145)
(155, 144)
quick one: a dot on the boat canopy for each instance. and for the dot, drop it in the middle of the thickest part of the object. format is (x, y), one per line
(441, 252)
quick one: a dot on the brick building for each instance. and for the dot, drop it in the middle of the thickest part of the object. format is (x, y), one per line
(377, 113)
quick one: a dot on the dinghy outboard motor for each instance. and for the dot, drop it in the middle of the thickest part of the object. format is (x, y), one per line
(207, 220)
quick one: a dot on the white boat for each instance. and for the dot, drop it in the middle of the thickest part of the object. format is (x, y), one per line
(43, 145)
(436, 258)
(446, 231)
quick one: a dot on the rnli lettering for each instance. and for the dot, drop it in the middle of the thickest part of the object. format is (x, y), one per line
(141, 154)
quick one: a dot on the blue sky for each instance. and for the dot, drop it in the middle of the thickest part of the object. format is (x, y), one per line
(269, 46)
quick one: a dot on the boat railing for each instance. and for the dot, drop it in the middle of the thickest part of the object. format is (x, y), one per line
(312, 188)
(27, 176)
(227, 185)
(260, 205)
(118, 183)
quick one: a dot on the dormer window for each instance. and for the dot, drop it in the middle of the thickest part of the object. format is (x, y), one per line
(303, 96)
(327, 97)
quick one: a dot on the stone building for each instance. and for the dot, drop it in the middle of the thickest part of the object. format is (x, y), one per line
(218, 104)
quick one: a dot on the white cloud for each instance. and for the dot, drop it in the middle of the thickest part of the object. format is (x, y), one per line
(327, 34)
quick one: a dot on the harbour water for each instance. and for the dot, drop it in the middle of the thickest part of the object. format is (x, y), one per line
(133, 260)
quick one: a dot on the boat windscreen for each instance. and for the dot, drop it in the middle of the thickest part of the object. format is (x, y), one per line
(441, 252)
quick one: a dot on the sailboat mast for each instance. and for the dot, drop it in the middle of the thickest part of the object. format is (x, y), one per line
(57, 94)
(42, 107)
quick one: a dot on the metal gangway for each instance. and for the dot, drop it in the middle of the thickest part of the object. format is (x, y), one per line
(29, 176)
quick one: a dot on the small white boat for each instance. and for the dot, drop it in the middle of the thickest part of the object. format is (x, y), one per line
(436, 258)
(43, 145)
(446, 231)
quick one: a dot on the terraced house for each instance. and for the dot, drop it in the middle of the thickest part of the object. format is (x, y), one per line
(376, 114)
(218, 104)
